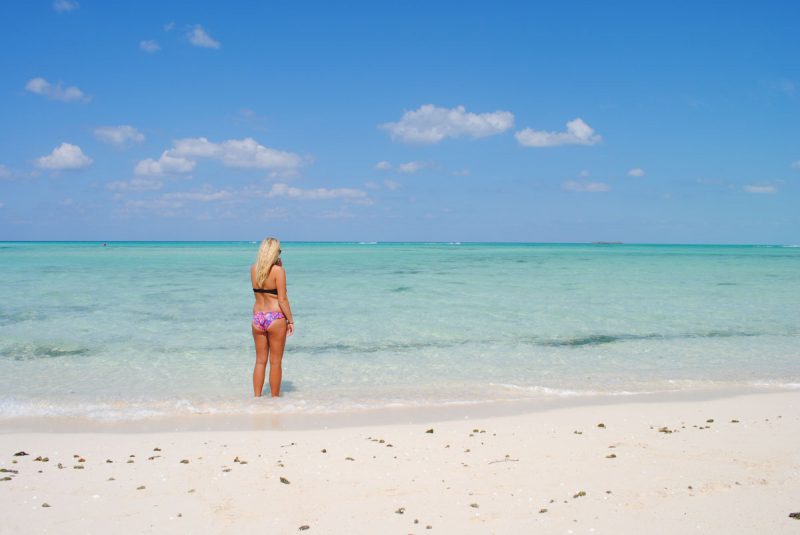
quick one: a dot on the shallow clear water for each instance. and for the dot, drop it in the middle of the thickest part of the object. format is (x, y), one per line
(139, 329)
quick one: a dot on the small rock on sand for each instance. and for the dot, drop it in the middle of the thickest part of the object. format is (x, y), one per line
(400, 510)
(45, 504)
(543, 510)
(429, 430)
(304, 527)
(184, 461)
(474, 505)
(20, 454)
(579, 494)
(285, 481)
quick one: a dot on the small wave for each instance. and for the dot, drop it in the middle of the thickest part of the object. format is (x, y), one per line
(791, 246)
(598, 339)
(565, 392)
(582, 341)
(367, 243)
(402, 289)
(42, 351)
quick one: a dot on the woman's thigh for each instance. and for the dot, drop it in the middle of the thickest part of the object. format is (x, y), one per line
(262, 345)
(276, 338)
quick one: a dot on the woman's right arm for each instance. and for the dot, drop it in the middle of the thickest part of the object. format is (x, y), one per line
(283, 298)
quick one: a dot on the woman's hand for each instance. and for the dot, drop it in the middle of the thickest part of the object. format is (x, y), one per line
(290, 328)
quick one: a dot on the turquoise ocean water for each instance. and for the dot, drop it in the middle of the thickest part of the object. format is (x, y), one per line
(135, 330)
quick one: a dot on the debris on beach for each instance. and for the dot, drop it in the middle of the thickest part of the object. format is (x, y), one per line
(400, 510)
(349, 459)
(109, 461)
(710, 421)
(20, 454)
(665, 429)
(42, 459)
(184, 461)
(576, 432)
(734, 421)
(429, 430)
(796, 516)
(324, 450)
(304, 527)
(78, 467)
(601, 425)
(141, 487)
(156, 449)
(285, 481)
(579, 494)
(543, 510)
(611, 456)
(45, 504)
(6, 478)
(474, 505)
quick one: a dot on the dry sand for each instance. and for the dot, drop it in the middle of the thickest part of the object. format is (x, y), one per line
(727, 466)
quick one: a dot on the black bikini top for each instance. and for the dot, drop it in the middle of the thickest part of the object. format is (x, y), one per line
(273, 291)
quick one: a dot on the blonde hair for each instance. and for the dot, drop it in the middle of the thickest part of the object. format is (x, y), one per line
(268, 253)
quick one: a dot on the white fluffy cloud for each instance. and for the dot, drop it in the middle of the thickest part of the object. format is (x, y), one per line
(199, 37)
(65, 5)
(317, 194)
(65, 157)
(247, 153)
(577, 133)
(408, 167)
(165, 165)
(149, 45)
(760, 188)
(431, 124)
(637, 172)
(40, 86)
(120, 136)
(591, 187)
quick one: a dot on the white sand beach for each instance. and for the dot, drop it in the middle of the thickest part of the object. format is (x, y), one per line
(729, 465)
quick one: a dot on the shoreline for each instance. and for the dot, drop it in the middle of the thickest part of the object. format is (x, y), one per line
(721, 465)
(366, 417)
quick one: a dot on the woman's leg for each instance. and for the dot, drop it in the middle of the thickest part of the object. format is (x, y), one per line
(262, 354)
(276, 337)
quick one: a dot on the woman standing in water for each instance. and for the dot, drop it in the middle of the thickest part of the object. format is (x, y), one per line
(272, 315)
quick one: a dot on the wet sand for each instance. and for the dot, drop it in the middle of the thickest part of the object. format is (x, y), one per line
(729, 465)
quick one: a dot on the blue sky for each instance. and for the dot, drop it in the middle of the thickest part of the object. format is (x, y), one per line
(395, 121)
